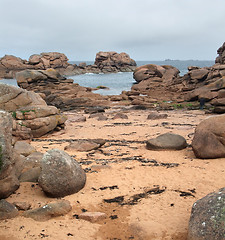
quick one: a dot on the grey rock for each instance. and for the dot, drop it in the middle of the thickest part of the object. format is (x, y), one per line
(60, 175)
(208, 217)
(167, 141)
(7, 210)
(49, 211)
(30, 175)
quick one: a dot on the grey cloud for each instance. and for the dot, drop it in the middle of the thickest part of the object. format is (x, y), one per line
(146, 29)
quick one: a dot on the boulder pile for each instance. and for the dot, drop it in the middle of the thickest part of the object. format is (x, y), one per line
(114, 62)
(32, 117)
(105, 62)
(59, 91)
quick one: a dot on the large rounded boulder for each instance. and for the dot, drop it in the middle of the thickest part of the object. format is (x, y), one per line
(208, 217)
(209, 138)
(60, 174)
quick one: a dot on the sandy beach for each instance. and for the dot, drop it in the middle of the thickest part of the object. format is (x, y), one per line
(145, 194)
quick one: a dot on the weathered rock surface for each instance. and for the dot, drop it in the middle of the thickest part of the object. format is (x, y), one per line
(7, 210)
(32, 116)
(59, 91)
(60, 174)
(92, 216)
(207, 217)
(167, 141)
(209, 138)
(22, 205)
(114, 62)
(30, 175)
(221, 51)
(49, 211)
(24, 148)
(11, 163)
(105, 62)
(156, 115)
(85, 145)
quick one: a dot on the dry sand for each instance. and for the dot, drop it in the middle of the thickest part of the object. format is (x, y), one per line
(177, 178)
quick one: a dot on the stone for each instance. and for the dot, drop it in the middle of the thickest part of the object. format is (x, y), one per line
(209, 141)
(33, 160)
(82, 146)
(156, 115)
(60, 175)
(49, 211)
(24, 148)
(114, 62)
(22, 205)
(167, 141)
(7, 210)
(77, 118)
(221, 51)
(30, 175)
(92, 216)
(10, 161)
(199, 74)
(207, 217)
(120, 116)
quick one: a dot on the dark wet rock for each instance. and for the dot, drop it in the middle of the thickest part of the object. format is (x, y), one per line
(167, 141)
(7, 210)
(60, 175)
(207, 217)
(92, 110)
(156, 115)
(24, 148)
(209, 141)
(30, 175)
(49, 211)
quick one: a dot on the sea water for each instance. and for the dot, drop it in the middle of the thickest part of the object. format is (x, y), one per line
(118, 82)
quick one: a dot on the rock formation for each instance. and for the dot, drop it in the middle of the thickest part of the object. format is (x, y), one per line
(32, 116)
(209, 140)
(221, 58)
(105, 62)
(59, 91)
(114, 62)
(207, 217)
(11, 163)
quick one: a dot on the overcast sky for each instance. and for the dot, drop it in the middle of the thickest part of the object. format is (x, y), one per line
(145, 29)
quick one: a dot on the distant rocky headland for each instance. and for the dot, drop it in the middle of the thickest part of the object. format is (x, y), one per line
(105, 62)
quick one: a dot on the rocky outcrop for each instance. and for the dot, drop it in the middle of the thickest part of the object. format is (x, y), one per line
(155, 81)
(209, 140)
(59, 91)
(221, 58)
(114, 62)
(32, 116)
(60, 174)
(105, 62)
(207, 217)
(11, 163)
